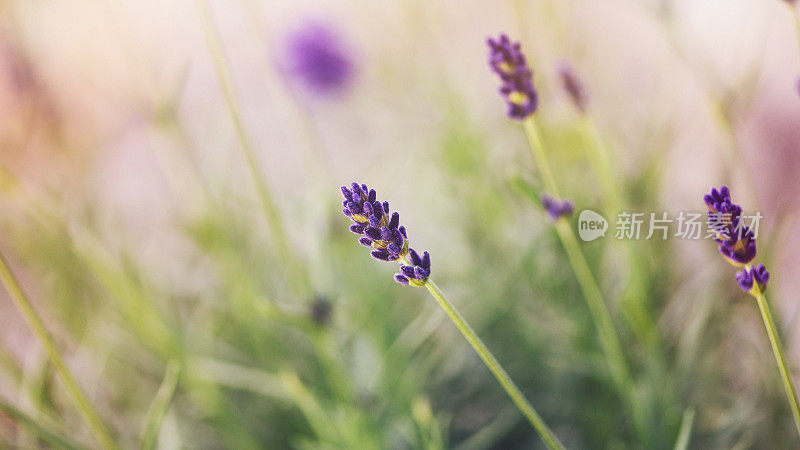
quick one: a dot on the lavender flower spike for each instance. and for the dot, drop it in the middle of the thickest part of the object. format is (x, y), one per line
(371, 218)
(736, 241)
(753, 278)
(573, 86)
(508, 61)
(416, 275)
(557, 209)
(317, 56)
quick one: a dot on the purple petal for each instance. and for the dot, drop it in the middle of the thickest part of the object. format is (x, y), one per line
(394, 221)
(414, 257)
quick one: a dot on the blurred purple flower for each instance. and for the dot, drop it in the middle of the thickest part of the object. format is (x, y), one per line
(555, 208)
(572, 85)
(508, 61)
(318, 57)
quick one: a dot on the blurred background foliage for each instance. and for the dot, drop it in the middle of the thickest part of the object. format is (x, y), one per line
(131, 220)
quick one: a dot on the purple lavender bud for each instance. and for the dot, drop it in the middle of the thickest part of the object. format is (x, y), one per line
(373, 233)
(572, 85)
(749, 278)
(317, 56)
(740, 252)
(416, 275)
(394, 221)
(371, 218)
(718, 199)
(386, 234)
(761, 277)
(737, 242)
(509, 63)
(426, 260)
(401, 279)
(415, 259)
(745, 279)
(555, 208)
(382, 255)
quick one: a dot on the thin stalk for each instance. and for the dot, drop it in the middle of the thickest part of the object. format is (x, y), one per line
(46, 339)
(638, 317)
(777, 349)
(685, 432)
(160, 405)
(609, 340)
(494, 366)
(537, 148)
(591, 291)
(41, 428)
(268, 205)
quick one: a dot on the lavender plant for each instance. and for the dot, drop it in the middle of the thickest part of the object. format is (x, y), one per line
(383, 233)
(737, 243)
(510, 64)
(600, 156)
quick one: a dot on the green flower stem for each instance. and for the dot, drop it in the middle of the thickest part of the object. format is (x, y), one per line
(46, 339)
(609, 340)
(601, 158)
(160, 405)
(297, 276)
(777, 349)
(40, 427)
(638, 317)
(494, 366)
(537, 147)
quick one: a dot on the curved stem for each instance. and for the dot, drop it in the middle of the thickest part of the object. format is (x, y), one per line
(46, 339)
(268, 205)
(777, 349)
(497, 370)
(609, 340)
(635, 309)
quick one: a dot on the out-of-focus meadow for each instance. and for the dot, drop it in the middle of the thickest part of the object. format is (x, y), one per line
(130, 215)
